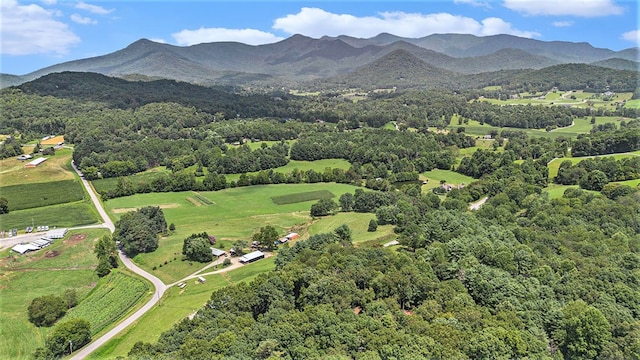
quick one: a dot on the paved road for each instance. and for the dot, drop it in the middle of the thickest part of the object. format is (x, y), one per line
(160, 287)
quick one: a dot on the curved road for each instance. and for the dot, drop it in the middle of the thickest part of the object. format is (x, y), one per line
(160, 287)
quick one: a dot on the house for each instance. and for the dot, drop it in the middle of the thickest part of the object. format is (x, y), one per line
(35, 162)
(217, 252)
(251, 257)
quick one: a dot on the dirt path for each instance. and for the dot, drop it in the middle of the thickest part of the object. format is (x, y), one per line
(476, 205)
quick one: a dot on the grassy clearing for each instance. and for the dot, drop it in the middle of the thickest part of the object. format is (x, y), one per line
(554, 165)
(109, 300)
(63, 215)
(358, 222)
(633, 104)
(23, 278)
(253, 145)
(176, 305)
(451, 177)
(556, 191)
(56, 168)
(102, 185)
(235, 214)
(33, 195)
(318, 165)
(302, 197)
(577, 98)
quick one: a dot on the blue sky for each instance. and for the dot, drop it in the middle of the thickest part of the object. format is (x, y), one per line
(36, 34)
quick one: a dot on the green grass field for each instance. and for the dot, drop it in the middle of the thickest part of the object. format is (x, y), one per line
(555, 164)
(451, 177)
(235, 214)
(33, 195)
(633, 104)
(358, 222)
(63, 215)
(318, 165)
(102, 185)
(302, 197)
(57, 167)
(577, 98)
(175, 305)
(66, 264)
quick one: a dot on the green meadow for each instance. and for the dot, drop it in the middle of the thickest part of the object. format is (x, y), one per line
(34, 195)
(317, 165)
(358, 222)
(176, 305)
(62, 215)
(234, 214)
(434, 177)
(554, 164)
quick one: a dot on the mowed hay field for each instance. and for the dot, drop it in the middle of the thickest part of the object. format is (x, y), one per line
(358, 223)
(233, 214)
(66, 264)
(57, 167)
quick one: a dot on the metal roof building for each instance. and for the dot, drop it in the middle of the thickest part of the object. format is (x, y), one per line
(217, 252)
(251, 257)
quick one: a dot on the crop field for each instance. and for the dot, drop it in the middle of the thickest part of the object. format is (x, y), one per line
(62, 215)
(33, 195)
(57, 167)
(175, 305)
(633, 104)
(109, 300)
(235, 214)
(358, 222)
(67, 264)
(302, 197)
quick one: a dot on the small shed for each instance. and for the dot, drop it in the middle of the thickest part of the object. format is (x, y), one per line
(217, 252)
(251, 257)
(292, 236)
(24, 248)
(56, 233)
(201, 279)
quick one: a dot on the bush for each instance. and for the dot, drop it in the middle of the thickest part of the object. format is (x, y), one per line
(373, 225)
(46, 310)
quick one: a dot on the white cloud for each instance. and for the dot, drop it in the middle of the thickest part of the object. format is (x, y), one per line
(31, 29)
(94, 9)
(49, 2)
(316, 23)
(562, 23)
(83, 20)
(633, 36)
(204, 35)
(581, 8)
(159, 40)
(475, 3)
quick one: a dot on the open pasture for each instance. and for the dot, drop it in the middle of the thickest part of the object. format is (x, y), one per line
(577, 98)
(450, 177)
(57, 167)
(317, 165)
(554, 164)
(358, 222)
(302, 197)
(175, 305)
(234, 214)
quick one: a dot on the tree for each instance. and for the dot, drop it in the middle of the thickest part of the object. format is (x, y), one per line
(323, 207)
(346, 202)
(344, 234)
(583, 331)
(172, 227)
(196, 248)
(373, 225)
(70, 298)
(138, 231)
(4, 206)
(107, 254)
(594, 180)
(67, 336)
(239, 246)
(45, 310)
(266, 237)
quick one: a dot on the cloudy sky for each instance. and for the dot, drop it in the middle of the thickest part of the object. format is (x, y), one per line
(36, 34)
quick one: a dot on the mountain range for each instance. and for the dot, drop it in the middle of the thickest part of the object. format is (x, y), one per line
(334, 60)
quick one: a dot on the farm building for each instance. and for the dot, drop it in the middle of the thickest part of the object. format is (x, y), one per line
(251, 257)
(217, 252)
(56, 233)
(24, 157)
(288, 237)
(36, 162)
(32, 246)
(52, 140)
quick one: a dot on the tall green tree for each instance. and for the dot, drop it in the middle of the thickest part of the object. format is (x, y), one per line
(583, 331)
(266, 237)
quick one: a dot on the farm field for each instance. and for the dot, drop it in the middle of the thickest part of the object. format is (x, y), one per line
(57, 167)
(175, 305)
(62, 215)
(233, 214)
(66, 264)
(576, 98)
(451, 177)
(358, 222)
(317, 165)
(556, 191)
(632, 104)
(34, 195)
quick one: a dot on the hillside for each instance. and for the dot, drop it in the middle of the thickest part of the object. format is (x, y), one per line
(300, 58)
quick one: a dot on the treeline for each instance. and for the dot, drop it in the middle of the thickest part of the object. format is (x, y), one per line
(137, 231)
(526, 116)
(612, 169)
(607, 142)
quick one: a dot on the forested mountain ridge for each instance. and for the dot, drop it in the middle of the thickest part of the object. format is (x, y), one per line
(299, 58)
